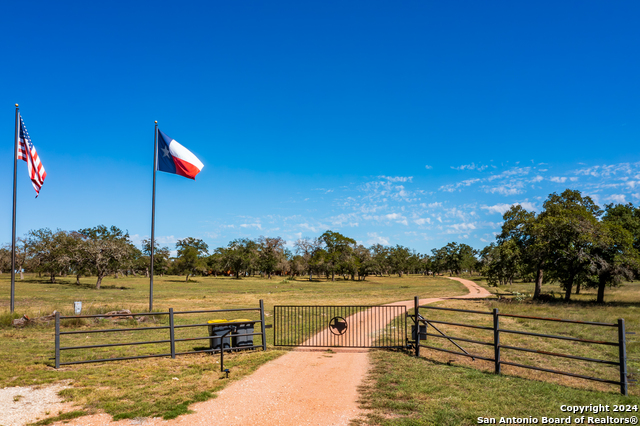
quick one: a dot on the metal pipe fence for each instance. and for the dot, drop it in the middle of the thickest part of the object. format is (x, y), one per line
(172, 340)
(419, 318)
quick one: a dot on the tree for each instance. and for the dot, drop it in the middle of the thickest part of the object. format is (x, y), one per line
(366, 263)
(466, 258)
(215, 262)
(380, 258)
(297, 265)
(500, 262)
(628, 217)
(240, 255)
(78, 264)
(306, 248)
(399, 259)
(318, 261)
(439, 260)
(51, 249)
(337, 247)
(104, 249)
(524, 230)
(161, 257)
(426, 264)
(191, 253)
(5, 259)
(271, 253)
(614, 257)
(350, 261)
(568, 226)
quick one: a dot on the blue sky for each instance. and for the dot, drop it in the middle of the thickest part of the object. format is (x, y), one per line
(413, 123)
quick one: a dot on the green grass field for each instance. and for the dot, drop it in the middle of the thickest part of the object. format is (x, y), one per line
(445, 389)
(438, 388)
(163, 386)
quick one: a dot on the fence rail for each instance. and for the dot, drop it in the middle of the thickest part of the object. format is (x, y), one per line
(171, 340)
(621, 362)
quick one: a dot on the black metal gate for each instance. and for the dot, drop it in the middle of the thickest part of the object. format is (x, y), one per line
(341, 326)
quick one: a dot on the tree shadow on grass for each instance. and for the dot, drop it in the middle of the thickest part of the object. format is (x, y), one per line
(558, 302)
(92, 286)
(72, 284)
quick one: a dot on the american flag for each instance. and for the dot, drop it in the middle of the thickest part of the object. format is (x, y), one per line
(27, 152)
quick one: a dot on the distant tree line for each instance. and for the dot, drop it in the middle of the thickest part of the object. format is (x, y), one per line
(101, 251)
(333, 254)
(572, 241)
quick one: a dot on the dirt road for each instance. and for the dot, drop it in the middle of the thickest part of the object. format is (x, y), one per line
(303, 387)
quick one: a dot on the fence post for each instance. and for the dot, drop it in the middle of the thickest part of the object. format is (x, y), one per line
(172, 336)
(416, 308)
(57, 339)
(496, 340)
(622, 350)
(262, 326)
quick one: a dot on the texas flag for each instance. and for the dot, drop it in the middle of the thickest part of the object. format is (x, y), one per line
(175, 158)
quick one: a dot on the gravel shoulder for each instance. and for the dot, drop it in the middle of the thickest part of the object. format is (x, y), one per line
(302, 387)
(21, 405)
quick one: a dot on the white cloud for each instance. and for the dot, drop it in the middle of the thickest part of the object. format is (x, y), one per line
(326, 191)
(503, 207)
(307, 226)
(350, 219)
(397, 178)
(377, 239)
(515, 171)
(422, 221)
(452, 187)
(558, 179)
(607, 170)
(471, 166)
(529, 206)
(512, 188)
(428, 167)
(136, 239)
(617, 198)
(498, 208)
(460, 227)
(537, 179)
(170, 239)
(251, 225)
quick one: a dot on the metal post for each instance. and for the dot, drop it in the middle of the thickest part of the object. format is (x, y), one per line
(13, 222)
(416, 308)
(171, 334)
(496, 340)
(57, 339)
(262, 326)
(153, 213)
(231, 330)
(622, 350)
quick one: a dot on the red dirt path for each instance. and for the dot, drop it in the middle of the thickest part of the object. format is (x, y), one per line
(303, 387)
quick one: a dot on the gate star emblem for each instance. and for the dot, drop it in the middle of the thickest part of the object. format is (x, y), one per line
(338, 326)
